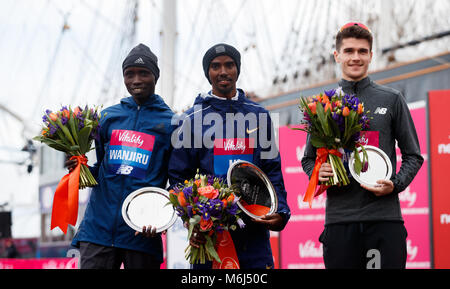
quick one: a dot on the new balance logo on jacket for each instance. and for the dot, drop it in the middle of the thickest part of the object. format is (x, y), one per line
(380, 110)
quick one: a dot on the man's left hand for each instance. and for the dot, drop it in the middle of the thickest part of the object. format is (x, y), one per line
(148, 232)
(273, 222)
(382, 188)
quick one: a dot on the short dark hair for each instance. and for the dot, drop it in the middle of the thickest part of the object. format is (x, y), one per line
(353, 31)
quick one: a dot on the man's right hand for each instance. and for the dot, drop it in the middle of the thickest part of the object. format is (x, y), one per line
(325, 172)
(71, 164)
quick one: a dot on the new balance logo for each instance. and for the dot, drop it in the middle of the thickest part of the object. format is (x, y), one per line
(124, 170)
(139, 61)
(380, 110)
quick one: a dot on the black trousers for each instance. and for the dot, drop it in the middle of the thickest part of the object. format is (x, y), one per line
(93, 256)
(364, 245)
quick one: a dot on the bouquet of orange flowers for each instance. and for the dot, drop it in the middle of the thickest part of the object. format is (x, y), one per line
(334, 121)
(72, 132)
(207, 204)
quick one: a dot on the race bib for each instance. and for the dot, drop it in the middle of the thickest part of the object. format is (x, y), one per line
(130, 152)
(227, 151)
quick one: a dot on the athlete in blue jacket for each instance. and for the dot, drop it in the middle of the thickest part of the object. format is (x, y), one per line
(132, 152)
(226, 116)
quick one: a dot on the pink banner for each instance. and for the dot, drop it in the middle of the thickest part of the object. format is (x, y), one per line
(414, 201)
(300, 246)
(44, 263)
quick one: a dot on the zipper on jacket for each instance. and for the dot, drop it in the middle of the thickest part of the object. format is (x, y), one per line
(119, 208)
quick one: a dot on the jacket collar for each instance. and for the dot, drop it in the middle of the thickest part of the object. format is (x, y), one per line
(354, 86)
(220, 103)
(153, 102)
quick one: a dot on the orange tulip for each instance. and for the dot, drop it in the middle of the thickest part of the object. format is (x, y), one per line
(325, 99)
(182, 199)
(312, 107)
(345, 111)
(328, 106)
(76, 111)
(53, 116)
(230, 198)
(360, 108)
(65, 113)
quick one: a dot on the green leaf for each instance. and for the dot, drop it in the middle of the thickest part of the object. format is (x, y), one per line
(317, 142)
(173, 199)
(322, 119)
(358, 165)
(73, 128)
(83, 139)
(209, 246)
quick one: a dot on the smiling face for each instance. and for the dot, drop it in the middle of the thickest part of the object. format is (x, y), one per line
(223, 75)
(354, 56)
(140, 83)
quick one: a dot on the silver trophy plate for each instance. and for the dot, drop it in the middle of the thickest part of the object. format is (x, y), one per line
(380, 167)
(257, 196)
(148, 206)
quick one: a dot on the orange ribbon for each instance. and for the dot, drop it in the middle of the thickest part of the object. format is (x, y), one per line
(322, 155)
(226, 252)
(65, 200)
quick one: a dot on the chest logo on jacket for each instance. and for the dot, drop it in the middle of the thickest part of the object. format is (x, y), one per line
(229, 150)
(130, 152)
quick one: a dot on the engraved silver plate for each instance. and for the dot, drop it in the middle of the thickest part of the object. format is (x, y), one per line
(148, 206)
(380, 167)
(257, 196)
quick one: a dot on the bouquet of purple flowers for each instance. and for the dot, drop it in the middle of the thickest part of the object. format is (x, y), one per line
(207, 204)
(334, 121)
(72, 132)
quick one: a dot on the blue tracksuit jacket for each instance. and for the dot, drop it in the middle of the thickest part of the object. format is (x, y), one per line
(204, 126)
(132, 152)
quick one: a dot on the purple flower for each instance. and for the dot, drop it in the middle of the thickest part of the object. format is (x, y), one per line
(215, 207)
(330, 92)
(180, 211)
(204, 210)
(187, 192)
(52, 129)
(189, 211)
(44, 118)
(232, 210)
(64, 120)
(241, 223)
(365, 167)
(210, 180)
